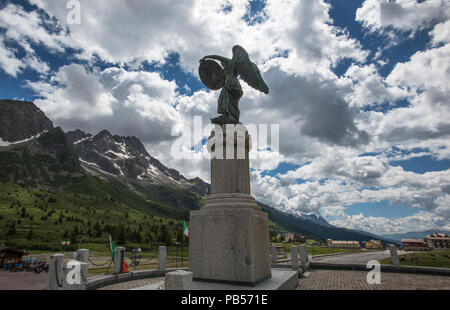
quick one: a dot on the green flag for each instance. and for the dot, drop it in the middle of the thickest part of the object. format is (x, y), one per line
(112, 246)
(185, 229)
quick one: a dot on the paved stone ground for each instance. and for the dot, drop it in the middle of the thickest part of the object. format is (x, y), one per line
(341, 280)
(25, 280)
(131, 284)
(22, 280)
(317, 280)
(356, 280)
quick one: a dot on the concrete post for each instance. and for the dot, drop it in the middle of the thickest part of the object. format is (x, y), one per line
(394, 255)
(119, 258)
(178, 280)
(273, 254)
(294, 257)
(55, 272)
(162, 255)
(304, 257)
(82, 256)
(75, 276)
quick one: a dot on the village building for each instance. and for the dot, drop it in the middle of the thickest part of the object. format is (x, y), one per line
(343, 244)
(414, 245)
(373, 244)
(438, 241)
(430, 242)
(291, 237)
(9, 258)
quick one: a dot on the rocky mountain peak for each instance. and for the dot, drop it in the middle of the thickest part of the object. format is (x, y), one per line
(24, 125)
(127, 158)
(21, 120)
(77, 135)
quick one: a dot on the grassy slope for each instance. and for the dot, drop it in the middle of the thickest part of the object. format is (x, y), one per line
(424, 259)
(43, 210)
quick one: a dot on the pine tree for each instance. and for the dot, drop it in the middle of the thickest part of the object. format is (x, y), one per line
(165, 235)
(30, 235)
(97, 229)
(12, 229)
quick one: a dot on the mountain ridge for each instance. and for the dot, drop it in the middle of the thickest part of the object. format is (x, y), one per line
(414, 234)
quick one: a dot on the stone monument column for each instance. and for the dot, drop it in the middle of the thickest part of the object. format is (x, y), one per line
(229, 236)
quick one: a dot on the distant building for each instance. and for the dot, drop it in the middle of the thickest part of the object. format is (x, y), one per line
(432, 241)
(343, 244)
(414, 245)
(9, 258)
(373, 244)
(438, 241)
(291, 237)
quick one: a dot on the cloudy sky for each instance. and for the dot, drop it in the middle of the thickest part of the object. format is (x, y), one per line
(360, 90)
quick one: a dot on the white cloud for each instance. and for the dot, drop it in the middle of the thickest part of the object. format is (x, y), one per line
(31, 27)
(8, 62)
(126, 103)
(402, 14)
(369, 87)
(24, 29)
(425, 76)
(441, 33)
(73, 93)
(382, 225)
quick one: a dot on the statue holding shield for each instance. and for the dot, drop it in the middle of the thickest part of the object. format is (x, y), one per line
(225, 77)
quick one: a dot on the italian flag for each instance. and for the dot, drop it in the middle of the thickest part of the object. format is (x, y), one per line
(185, 229)
(112, 246)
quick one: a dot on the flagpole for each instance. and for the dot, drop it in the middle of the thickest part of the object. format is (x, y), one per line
(108, 267)
(182, 239)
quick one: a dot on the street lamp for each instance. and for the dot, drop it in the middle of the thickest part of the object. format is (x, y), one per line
(135, 257)
(64, 243)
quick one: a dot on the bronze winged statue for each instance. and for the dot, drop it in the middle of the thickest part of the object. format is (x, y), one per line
(216, 77)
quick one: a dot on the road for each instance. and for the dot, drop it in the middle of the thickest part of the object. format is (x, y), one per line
(356, 258)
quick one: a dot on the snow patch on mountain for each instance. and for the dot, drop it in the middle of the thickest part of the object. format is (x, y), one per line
(7, 143)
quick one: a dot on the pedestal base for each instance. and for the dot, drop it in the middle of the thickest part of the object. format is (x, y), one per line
(282, 279)
(229, 241)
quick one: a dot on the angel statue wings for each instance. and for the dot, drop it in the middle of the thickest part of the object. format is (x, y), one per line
(225, 77)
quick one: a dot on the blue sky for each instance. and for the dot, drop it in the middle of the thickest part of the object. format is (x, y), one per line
(360, 90)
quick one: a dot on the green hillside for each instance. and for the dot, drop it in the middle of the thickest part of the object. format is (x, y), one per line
(38, 219)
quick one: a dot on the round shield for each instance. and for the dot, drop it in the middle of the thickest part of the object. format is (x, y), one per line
(211, 74)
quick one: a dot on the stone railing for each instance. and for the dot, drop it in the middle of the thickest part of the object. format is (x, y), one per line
(74, 276)
(102, 281)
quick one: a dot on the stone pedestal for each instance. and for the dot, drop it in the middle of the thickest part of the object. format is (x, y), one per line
(55, 272)
(178, 280)
(229, 236)
(294, 257)
(119, 257)
(82, 255)
(394, 255)
(162, 255)
(274, 254)
(304, 261)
